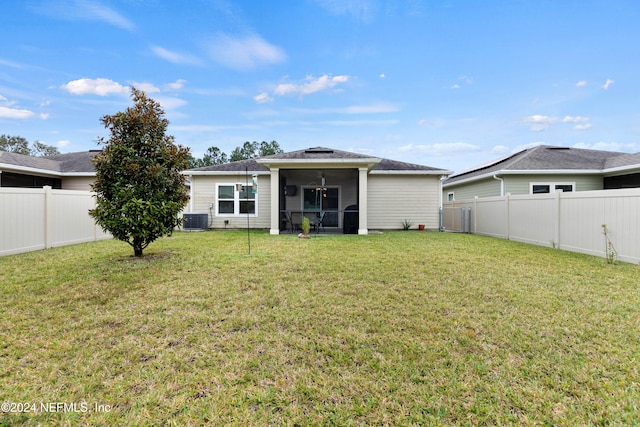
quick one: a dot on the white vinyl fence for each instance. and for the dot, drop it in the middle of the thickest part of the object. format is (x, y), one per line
(570, 221)
(41, 218)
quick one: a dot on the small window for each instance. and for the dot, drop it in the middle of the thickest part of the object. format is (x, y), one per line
(551, 187)
(450, 197)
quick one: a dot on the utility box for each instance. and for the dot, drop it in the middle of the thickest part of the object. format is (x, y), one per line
(195, 221)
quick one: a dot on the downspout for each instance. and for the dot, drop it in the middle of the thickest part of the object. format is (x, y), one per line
(496, 177)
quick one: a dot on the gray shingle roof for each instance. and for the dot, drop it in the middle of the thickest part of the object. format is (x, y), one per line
(60, 163)
(317, 153)
(545, 157)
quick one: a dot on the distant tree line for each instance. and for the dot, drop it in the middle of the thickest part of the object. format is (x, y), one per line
(19, 145)
(249, 150)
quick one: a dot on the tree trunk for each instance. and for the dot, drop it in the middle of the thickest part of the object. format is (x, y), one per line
(137, 251)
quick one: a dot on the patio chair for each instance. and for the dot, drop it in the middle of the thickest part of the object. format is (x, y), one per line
(295, 221)
(317, 222)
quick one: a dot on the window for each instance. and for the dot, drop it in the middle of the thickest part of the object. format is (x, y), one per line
(235, 199)
(450, 197)
(551, 187)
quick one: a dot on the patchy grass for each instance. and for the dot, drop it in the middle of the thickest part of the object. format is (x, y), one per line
(403, 328)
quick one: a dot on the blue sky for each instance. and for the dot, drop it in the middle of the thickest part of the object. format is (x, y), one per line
(444, 83)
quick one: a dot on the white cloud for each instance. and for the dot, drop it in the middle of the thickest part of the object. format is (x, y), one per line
(576, 119)
(581, 83)
(170, 103)
(43, 116)
(175, 57)
(262, 98)
(178, 84)
(539, 122)
(382, 76)
(245, 53)
(455, 86)
(607, 84)
(14, 113)
(101, 87)
(311, 85)
(86, 10)
(440, 149)
(146, 87)
(63, 143)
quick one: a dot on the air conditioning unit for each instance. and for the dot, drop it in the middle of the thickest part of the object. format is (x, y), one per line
(195, 221)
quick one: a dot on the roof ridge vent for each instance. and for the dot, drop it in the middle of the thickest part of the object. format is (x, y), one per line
(319, 150)
(558, 148)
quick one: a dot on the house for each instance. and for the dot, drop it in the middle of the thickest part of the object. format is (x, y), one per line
(70, 171)
(351, 192)
(546, 169)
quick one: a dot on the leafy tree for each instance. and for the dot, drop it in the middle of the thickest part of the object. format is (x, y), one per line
(251, 150)
(14, 144)
(41, 149)
(247, 151)
(213, 156)
(139, 188)
(19, 145)
(269, 148)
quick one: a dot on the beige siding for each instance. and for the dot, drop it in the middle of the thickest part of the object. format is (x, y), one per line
(484, 188)
(82, 183)
(394, 198)
(204, 190)
(520, 184)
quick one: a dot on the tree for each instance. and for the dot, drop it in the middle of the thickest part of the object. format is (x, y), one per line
(19, 145)
(213, 156)
(247, 151)
(251, 150)
(41, 149)
(269, 148)
(139, 188)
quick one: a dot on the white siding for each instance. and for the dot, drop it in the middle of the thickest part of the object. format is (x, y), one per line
(395, 198)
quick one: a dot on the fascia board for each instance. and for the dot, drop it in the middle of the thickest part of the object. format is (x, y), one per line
(410, 172)
(525, 172)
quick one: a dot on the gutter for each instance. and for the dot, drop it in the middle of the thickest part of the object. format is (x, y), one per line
(497, 178)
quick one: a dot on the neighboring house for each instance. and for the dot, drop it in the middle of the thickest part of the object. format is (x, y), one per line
(71, 171)
(369, 192)
(546, 169)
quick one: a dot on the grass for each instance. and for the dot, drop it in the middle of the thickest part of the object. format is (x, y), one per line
(403, 328)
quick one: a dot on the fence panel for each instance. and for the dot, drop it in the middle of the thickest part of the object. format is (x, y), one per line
(570, 221)
(40, 218)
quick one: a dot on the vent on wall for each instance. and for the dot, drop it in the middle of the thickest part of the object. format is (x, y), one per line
(195, 221)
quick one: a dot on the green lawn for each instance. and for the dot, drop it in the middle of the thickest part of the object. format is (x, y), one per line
(402, 328)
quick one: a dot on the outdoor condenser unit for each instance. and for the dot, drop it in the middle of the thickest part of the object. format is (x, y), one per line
(196, 221)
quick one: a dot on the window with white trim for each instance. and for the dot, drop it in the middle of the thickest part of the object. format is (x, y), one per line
(450, 197)
(235, 199)
(551, 187)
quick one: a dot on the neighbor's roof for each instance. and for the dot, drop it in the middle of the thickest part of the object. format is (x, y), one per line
(60, 164)
(553, 159)
(321, 157)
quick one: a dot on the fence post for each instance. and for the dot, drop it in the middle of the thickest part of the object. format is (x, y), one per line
(556, 213)
(47, 216)
(507, 216)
